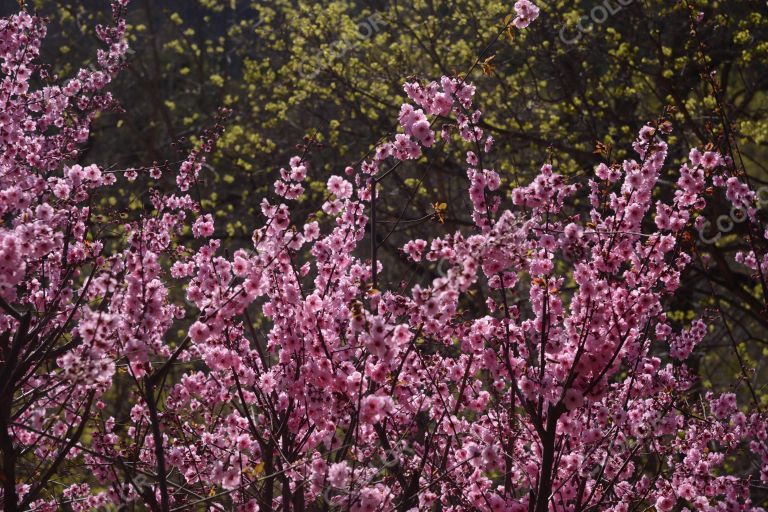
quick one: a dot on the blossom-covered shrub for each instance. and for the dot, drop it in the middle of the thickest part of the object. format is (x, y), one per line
(539, 371)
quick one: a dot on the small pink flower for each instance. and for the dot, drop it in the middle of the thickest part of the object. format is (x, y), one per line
(199, 332)
(339, 187)
(527, 12)
(573, 399)
(338, 474)
(420, 129)
(710, 160)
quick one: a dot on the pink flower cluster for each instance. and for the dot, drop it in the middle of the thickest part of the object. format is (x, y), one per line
(526, 12)
(276, 376)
